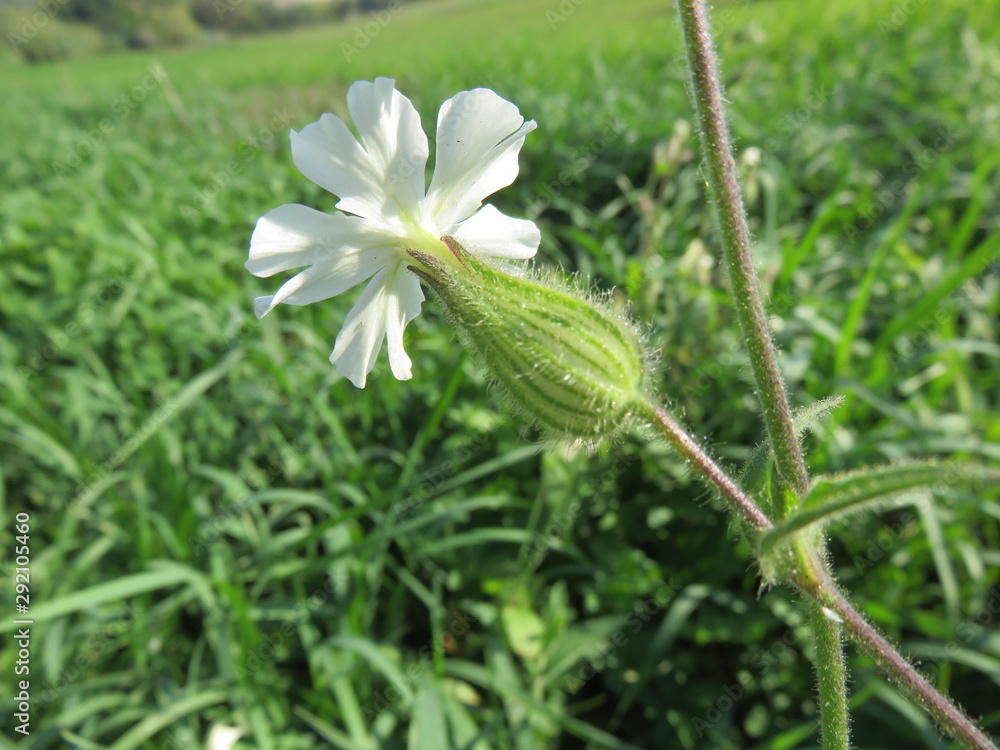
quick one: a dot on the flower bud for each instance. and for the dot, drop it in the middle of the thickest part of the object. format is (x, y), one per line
(575, 368)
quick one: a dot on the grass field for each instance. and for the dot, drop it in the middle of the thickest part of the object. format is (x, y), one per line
(226, 533)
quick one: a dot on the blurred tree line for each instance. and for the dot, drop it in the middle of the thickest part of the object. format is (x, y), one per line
(44, 30)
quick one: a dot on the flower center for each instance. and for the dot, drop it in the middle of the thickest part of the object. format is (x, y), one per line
(421, 239)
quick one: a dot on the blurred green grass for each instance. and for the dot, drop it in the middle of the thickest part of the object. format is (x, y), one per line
(226, 532)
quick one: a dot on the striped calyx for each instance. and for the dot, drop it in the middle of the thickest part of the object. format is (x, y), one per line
(575, 368)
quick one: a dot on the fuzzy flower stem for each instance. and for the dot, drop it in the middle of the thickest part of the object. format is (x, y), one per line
(948, 716)
(831, 680)
(660, 419)
(728, 200)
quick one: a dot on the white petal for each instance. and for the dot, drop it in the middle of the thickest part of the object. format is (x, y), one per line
(489, 232)
(292, 236)
(341, 251)
(381, 177)
(223, 738)
(479, 136)
(404, 306)
(393, 136)
(324, 281)
(390, 301)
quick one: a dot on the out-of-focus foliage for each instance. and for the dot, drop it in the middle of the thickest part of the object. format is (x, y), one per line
(226, 532)
(47, 30)
(44, 38)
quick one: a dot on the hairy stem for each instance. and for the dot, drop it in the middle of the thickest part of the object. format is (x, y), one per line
(728, 200)
(788, 458)
(660, 419)
(948, 716)
(725, 193)
(831, 680)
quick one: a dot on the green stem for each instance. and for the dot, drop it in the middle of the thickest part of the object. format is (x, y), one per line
(947, 715)
(728, 200)
(831, 679)
(788, 458)
(828, 604)
(661, 420)
(725, 193)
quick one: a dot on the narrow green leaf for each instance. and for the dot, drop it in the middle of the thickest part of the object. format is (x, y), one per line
(597, 738)
(116, 590)
(939, 551)
(44, 448)
(81, 743)
(978, 194)
(754, 475)
(466, 733)
(475, 538)
(350, 708)
(427, 730)
(377, 659)
(186, 396)
(833, 497)
(974, 264)
(328, 732)
(162, 719)
(568, 649)
(859, 304)
(794, 256)
(953, 652)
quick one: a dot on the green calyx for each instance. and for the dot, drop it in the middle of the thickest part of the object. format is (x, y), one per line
(575, 368)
